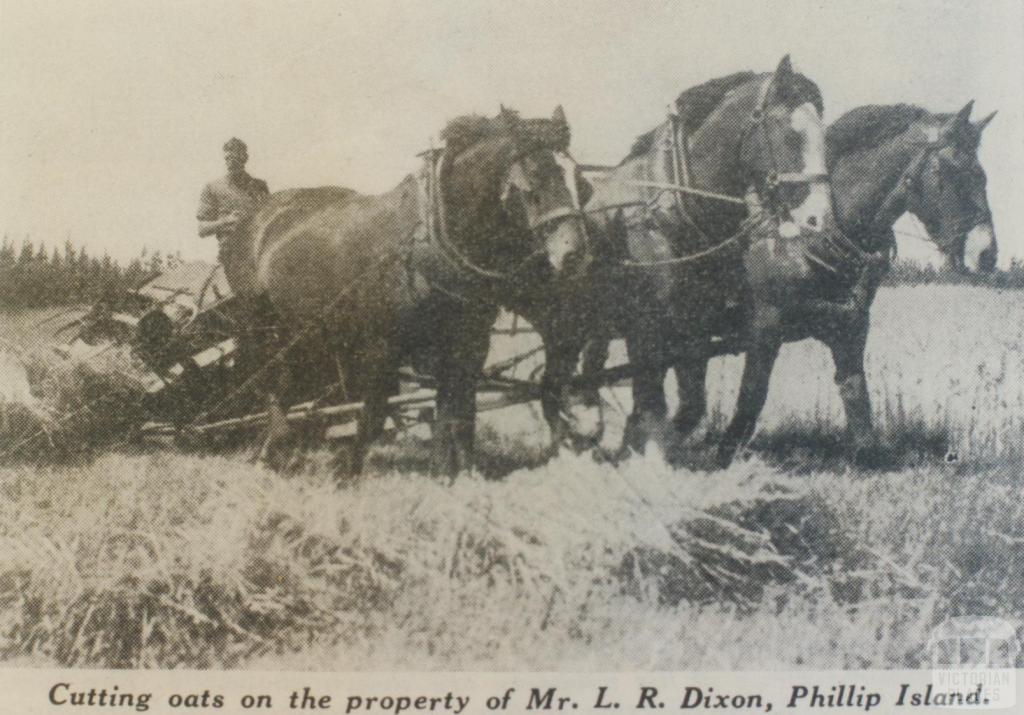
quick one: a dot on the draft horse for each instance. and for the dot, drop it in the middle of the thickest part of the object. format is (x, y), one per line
(884, 161)
(701, 221)
(370, 282)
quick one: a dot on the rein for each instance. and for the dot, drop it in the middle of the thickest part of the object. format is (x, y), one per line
(901, 189)
(895, 201)
(900, 194)
(748, 225)
(681, 185)
(886, 213)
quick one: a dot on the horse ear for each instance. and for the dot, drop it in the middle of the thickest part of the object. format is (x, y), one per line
(563, 136)
(558, 116)
(960, 122)
(979, 126)
(784, 71)
(964, 115)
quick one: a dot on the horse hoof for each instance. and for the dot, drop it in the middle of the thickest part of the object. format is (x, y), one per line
(724, 457)
(613, 457)
(871, 456)
(579, 443)
(450, 469)
(275, 461)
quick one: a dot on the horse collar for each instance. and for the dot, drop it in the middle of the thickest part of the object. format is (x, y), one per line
(432, 210)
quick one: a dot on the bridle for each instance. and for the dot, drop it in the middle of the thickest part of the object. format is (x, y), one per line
(758, 197)
(543, 223)
(898, 199)
(437, 224)
(774, 178)
(899, 194)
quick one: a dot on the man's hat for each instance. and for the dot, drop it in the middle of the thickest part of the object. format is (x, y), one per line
(235, 144)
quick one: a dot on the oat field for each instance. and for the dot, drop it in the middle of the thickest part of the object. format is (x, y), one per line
(791, 558)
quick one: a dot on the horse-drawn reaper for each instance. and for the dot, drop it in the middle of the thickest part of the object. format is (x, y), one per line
(735, 226)
(336, 295)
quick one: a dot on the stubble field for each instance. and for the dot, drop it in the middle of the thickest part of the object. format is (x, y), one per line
(792, 558)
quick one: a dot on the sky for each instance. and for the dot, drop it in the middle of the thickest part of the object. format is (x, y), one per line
(113, 113)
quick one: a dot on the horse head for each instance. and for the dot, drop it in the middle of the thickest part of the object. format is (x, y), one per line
(946, 191)
(782, 152)
(536, 209)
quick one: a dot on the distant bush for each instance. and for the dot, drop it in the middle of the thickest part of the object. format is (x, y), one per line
(907, 272)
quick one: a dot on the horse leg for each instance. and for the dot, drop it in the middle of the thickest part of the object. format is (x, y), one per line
(595, 356)
(459, 366)
(276, 450)
(847, 344)
(844, 329)
(281, 442)
(573, 421)
(691, 376)
(648, 417)
(764, 344)
(257, 354)
(376, 375)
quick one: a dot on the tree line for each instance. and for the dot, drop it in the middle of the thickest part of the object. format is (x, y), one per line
(33, 276)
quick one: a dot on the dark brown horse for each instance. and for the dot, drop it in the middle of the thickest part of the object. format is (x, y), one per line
(367, 282)
(689, 264)
(884, 161)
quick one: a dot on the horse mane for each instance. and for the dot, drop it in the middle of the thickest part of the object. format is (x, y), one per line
(697, 103)
(800, 90)
(467, 130)
(867, 127)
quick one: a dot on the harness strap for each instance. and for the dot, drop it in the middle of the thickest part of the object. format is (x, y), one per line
(437, 224)
(553, 215)
(744, 231)
(666, 186)
(796, 177)
(902, 186)
(681, 185)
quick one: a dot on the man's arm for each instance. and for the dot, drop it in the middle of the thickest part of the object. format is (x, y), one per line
(218, 225)
(209, 222)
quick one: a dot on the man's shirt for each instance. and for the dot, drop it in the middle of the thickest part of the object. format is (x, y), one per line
(221, 197)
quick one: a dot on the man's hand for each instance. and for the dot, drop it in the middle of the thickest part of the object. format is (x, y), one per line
(230, 222)
(224, 224)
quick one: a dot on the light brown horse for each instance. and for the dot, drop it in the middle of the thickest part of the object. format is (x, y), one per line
(369, 281)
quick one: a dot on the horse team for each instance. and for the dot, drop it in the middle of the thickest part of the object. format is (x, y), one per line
(738, 224)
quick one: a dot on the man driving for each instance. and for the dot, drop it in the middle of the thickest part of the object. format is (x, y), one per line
(225, 202)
